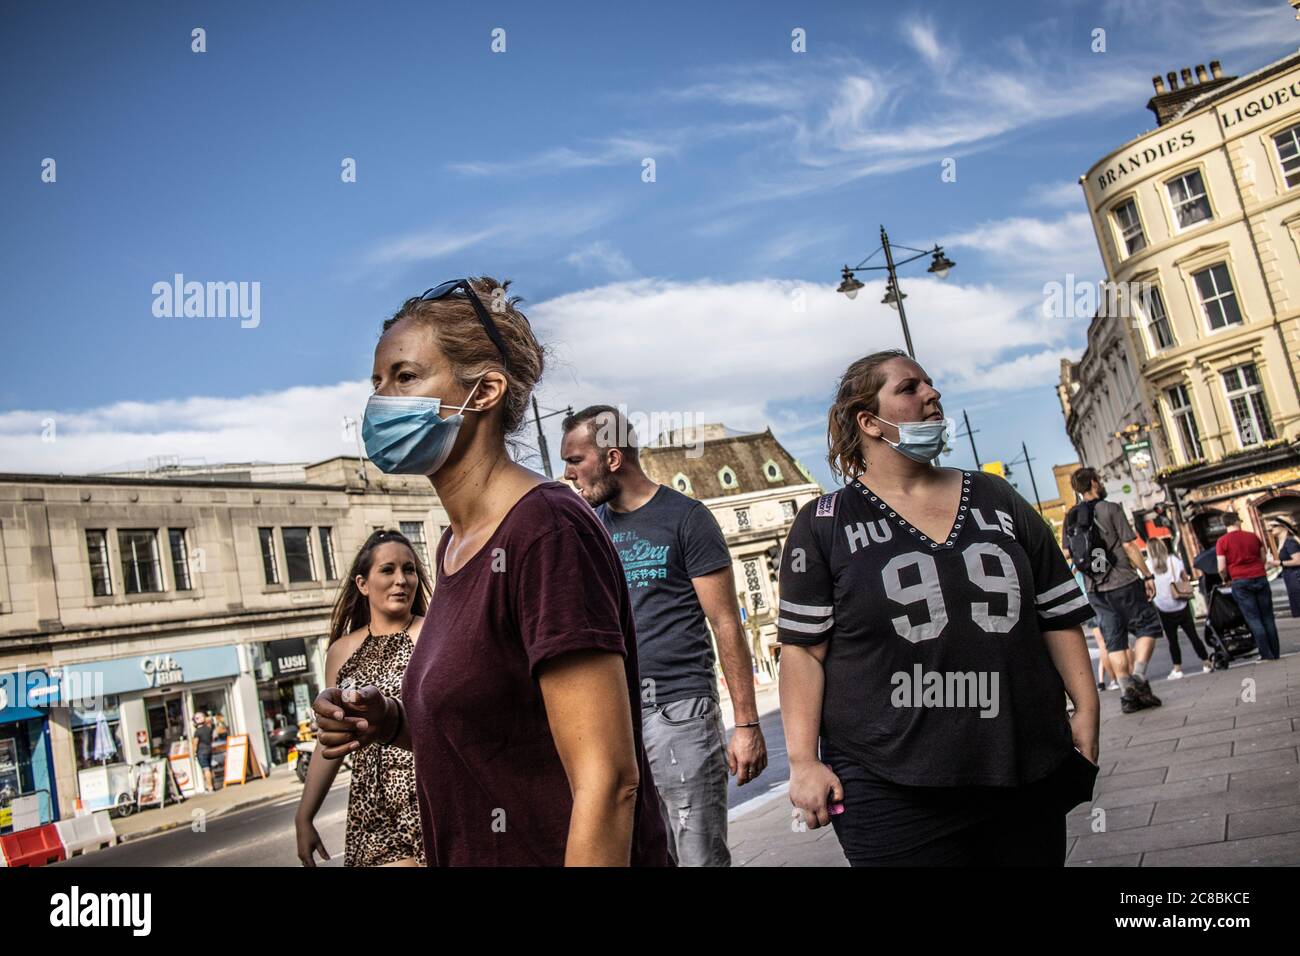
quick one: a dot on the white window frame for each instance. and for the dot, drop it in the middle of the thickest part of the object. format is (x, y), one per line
(184, 563)
(156, 560)
(1125, 238)
(328, 556)
(311, 555)
(421, 544)
(1254, 403)
(108, 561)
(1218, 297)
(1175, 205)
(1294, 133)
(1150, 289)
(265, 547)
(1184, 411)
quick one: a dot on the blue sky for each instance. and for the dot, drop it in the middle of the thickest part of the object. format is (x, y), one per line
(772, 169)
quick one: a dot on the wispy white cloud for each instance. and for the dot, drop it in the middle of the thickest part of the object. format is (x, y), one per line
(601, 256)
(1055, 195)
(1029, 251)
(434, 244)
(1253, 26)
(921, 35)
(614, 151)
(505, 227)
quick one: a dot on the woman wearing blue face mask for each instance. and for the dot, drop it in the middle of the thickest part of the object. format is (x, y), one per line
(520, 701)
(931, 633)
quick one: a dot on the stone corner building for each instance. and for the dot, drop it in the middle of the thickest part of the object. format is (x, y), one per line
(1201, 217)
(754, 487)
(131, 601)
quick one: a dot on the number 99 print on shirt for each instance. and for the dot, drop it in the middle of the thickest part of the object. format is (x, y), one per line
(937, 673)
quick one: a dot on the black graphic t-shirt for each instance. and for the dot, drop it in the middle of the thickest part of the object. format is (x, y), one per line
(663, 545)
(937, 673)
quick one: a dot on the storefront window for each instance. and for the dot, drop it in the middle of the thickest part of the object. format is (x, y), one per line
(215, 703)
(24, 768)
(15, 762)
(286, 695)
(166, 718)
(87, 739)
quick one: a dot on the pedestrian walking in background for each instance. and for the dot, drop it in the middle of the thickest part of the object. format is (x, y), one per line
(203, 733)
(1092, 628)
(1104, 547)
(1173, 604)
(1288, 551)
(1243, 563)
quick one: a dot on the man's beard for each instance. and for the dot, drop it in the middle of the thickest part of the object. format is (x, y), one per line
(604, 488)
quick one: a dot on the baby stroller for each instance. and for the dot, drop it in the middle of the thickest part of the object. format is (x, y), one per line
(1226, 635)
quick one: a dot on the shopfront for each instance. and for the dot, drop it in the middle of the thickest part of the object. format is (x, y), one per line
(286, 687)
(26, 761)
(148, 704)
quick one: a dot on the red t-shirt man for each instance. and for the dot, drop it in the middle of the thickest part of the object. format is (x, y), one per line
(1240, 550)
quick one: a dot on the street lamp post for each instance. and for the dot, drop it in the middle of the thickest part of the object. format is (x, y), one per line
(1028, 463)
(542, 448)
(894, 296)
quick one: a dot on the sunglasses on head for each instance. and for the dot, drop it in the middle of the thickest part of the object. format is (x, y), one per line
(462, 286)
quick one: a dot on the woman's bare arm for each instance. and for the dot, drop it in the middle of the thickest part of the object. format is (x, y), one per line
(1069, 652)
(801, 685)
(590, 716)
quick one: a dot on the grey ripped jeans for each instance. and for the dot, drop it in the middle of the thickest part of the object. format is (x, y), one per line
(687, 747)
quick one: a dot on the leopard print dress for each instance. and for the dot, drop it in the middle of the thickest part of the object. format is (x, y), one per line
(383, 824)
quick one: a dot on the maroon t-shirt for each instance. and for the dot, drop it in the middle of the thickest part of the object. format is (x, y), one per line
(491, 787)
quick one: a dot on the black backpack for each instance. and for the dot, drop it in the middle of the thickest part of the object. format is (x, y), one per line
(1085, 545)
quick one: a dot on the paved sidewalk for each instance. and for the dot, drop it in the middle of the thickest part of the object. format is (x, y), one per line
(1211, 778)
(281, 783)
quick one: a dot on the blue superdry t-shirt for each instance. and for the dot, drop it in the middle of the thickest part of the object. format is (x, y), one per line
(663, 544)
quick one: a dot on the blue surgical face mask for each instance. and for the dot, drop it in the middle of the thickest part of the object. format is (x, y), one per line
(406, 435)
(921, 441)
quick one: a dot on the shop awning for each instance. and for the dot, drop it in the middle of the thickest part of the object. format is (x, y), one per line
(13, 714)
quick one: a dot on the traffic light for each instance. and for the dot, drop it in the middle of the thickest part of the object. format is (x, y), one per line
(994, 468)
